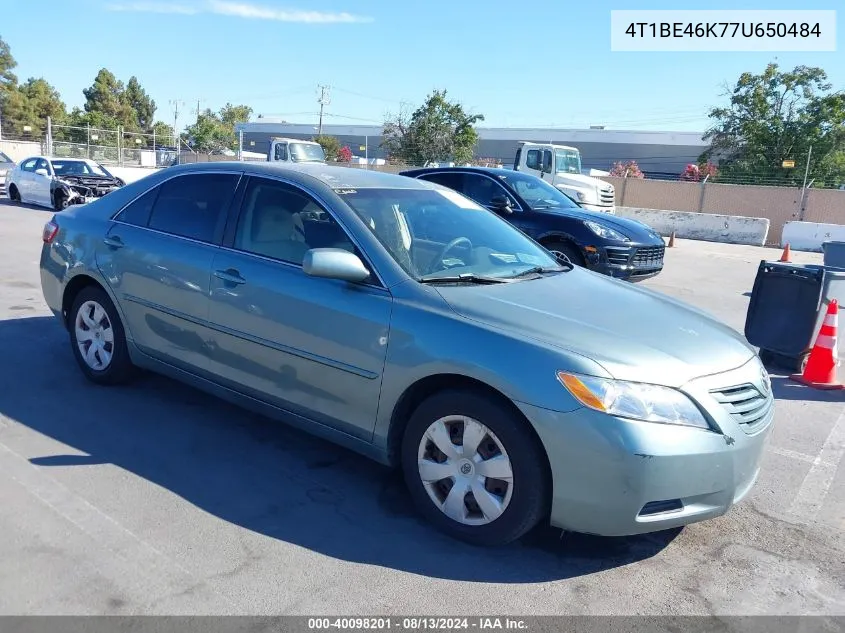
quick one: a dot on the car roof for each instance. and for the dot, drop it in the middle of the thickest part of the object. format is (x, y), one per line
(495, 171)
(333, 176)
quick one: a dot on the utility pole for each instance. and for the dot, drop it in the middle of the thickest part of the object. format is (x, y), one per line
(176, 103)
(323, 100)
(199, 101)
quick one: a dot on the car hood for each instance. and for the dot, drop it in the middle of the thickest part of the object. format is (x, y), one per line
(635, 334)
(633, 229)
(580, 180)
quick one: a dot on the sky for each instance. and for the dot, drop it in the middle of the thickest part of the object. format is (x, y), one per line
(520, 64)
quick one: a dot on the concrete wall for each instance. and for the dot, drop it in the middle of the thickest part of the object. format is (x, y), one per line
(19, 150)
(809, 236)
(131, 174)
(708, 227)
(778, 204)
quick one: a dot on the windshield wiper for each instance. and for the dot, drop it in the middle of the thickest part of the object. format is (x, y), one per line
(471, 278)
(541, 270)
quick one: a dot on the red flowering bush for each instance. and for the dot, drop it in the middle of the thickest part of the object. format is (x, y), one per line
(697, 173)
(628, 169)
(344, 154)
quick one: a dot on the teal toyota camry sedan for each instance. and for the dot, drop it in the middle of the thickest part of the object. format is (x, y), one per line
(400, 319)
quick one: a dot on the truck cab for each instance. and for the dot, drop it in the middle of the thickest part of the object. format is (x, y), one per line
(294, 150)
(560, 166)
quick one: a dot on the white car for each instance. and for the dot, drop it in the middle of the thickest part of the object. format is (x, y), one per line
(59, 182)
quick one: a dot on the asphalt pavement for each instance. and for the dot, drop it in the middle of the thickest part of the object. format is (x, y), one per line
(158, 499)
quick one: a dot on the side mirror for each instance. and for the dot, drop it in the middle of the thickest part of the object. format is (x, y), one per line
(501, 204)
(334, 263)
(42, 172)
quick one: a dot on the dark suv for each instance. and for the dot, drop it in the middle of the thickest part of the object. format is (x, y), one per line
(619, 247)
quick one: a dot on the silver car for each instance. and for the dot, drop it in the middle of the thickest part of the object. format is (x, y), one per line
(400, 319)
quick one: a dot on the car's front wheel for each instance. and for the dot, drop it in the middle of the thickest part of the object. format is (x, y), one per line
(568, 250)
(98, 338)
(60, 201)
(14, 194)
(474, 468)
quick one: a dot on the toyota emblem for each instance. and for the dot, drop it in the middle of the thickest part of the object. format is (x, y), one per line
(466, 469)
(765, 384)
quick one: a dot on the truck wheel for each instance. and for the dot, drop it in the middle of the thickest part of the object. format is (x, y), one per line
(568, 250)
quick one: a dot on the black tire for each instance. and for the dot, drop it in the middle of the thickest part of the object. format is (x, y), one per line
(530, 486)
(14, 194)
(60, 202)
(120, 369)
(572, 253)
(801, 362)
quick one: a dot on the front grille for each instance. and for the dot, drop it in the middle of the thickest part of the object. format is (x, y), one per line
(618, 255)
(607, 197)
(746, 404)
(649, 257)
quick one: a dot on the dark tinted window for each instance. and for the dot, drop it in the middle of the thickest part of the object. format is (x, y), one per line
(532, 159)
(282, 222)
(138, 212)
(42, 164)
(193, 205)
(447, 179)
(29, 164)
(483, 189)
(281, 151)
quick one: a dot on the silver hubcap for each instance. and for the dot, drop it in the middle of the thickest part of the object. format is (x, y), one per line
(465, 470)
(94, 335)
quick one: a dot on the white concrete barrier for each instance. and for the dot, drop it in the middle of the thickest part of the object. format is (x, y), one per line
(709, 227)
(809, 236)
(131, 174)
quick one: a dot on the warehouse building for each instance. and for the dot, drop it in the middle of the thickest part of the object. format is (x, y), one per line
(655, 152)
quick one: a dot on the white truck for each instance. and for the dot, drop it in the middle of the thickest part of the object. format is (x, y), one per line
(561, 166)
(295, 150)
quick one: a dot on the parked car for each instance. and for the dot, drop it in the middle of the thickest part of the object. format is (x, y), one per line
(401, 319)
(6, 165)
(608, 244)
(59, 182)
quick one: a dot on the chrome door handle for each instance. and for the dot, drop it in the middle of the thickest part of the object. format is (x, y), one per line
(230, 276)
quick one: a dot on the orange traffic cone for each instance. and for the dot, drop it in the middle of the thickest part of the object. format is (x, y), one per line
(787, 254)
(672, 240)
(820, 372)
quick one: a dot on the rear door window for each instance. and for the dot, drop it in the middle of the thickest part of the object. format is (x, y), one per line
(194, 206)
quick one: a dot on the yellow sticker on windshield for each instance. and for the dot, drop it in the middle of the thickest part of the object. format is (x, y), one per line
(455, 198)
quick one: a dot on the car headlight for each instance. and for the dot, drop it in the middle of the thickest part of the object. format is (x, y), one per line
(606, 232)
(635, 401)
(581, 196)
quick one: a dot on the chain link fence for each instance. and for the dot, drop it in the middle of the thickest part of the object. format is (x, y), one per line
(111, 147)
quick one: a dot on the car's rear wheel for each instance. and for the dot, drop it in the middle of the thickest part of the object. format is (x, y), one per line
(14, 194)
(473, 468)
(568, 250)
(98, 338)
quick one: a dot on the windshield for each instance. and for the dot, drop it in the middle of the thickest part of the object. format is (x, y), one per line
(440, 233)
(538, 193)
(306, 153)
(78, 168)
(568, 161)
(5, 159)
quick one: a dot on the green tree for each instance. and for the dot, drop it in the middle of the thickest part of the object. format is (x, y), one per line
(163, 133)
(214, 132)
(776, 116)
(141, 108)
(8, 79)
(439, 130)
(106, 97)
(330, 145)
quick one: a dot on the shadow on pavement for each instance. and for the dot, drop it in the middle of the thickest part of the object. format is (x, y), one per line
(264, 476)
(785, 389)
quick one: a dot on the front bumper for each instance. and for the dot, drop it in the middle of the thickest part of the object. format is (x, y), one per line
(617, 477)
(598, 208)
(633, 262)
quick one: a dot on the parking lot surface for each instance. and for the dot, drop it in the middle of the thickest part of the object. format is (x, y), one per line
(158, 499)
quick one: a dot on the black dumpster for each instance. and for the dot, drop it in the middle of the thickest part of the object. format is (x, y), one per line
(787, 307)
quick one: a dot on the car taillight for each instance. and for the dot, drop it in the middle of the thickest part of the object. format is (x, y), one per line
(50, 231)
